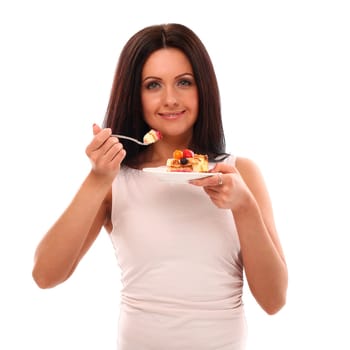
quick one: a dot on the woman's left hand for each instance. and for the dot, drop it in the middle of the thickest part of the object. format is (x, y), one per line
(226, 190)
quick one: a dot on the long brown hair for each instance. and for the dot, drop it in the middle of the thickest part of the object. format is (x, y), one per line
(124, 113)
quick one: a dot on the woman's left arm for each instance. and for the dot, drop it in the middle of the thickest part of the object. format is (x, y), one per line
(242, 189)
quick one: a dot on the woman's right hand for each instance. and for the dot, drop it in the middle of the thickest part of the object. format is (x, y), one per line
(105, 152)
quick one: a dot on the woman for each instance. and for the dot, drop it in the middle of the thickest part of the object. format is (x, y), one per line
(182, 249)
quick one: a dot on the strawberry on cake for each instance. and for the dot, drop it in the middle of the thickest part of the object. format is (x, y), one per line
(187, 161)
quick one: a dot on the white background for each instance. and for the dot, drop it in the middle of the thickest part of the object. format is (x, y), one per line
(283, 70)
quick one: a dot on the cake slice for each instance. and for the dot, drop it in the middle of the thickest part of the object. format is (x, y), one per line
(152, 136)
(187, 161)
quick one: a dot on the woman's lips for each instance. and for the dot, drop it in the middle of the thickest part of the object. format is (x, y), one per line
(172, 115)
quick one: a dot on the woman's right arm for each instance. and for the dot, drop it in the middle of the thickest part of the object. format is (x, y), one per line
(66, 242)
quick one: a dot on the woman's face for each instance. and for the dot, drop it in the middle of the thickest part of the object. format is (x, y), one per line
(169, 93)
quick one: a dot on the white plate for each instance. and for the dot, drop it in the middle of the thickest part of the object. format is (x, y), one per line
(175, 177)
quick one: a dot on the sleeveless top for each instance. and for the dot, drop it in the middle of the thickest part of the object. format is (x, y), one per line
(181, 268)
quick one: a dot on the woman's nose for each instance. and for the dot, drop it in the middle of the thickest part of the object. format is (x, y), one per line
(170, 98)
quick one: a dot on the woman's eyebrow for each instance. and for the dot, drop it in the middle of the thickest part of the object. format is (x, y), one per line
(183, 74)
(151, 77)
(176, 77)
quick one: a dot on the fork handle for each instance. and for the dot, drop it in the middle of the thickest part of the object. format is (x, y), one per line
(129, 138)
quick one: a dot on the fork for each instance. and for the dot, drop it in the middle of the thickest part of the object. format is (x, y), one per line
(131, 139)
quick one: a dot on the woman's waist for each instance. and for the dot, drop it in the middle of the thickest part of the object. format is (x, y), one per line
(175, 304)
(174, 329)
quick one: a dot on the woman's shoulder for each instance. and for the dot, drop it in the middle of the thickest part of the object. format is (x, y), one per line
(245, 164)
(250, 171)
(240, 162)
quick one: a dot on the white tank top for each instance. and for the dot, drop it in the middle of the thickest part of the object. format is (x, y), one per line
(181, 269)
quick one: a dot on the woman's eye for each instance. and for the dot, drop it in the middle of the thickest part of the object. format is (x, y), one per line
(185, 82)
(152, 85)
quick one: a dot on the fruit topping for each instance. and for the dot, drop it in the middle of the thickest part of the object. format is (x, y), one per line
(177, 154)
(187, 153)
(183, 161)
